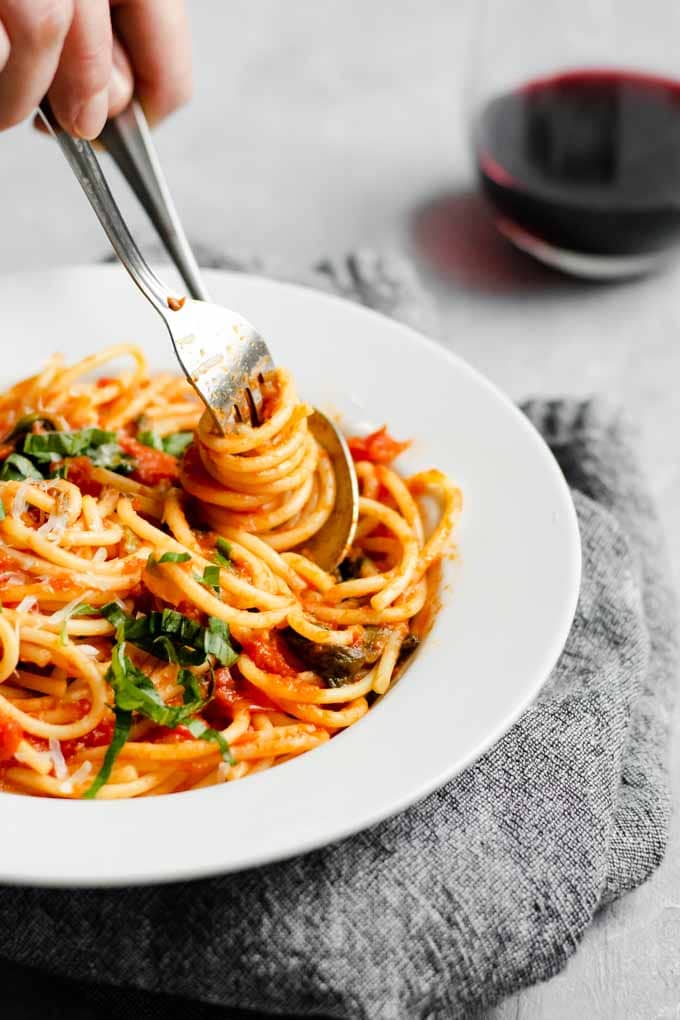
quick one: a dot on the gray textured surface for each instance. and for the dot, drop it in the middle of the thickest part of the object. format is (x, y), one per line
(318, 127)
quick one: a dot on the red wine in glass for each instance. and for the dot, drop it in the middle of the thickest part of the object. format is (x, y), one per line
(583, 168)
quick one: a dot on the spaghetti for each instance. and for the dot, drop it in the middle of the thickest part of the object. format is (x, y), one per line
(162, 628)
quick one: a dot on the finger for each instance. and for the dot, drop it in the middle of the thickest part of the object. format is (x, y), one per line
(121, 86)
(36, 32)
(5, 47)
(80, 91)
(155, 34)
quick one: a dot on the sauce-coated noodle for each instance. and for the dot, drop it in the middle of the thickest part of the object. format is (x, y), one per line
(162, 628)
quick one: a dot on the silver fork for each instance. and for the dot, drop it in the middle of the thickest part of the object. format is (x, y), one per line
(222, 355)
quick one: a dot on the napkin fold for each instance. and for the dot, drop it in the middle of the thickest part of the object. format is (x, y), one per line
(487, 885)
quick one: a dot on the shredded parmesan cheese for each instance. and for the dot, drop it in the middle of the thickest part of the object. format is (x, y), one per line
(19, 503)
(63, 613)
(54, 527)
(27, 603)
(79, 776)
(89, 650)
(57, 757)
(82, 773)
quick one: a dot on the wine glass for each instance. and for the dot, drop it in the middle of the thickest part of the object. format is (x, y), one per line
(575, 116)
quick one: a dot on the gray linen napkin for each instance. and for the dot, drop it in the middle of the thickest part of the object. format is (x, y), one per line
(484, 887)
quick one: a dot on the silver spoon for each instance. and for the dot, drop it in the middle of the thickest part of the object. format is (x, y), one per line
(222, 355)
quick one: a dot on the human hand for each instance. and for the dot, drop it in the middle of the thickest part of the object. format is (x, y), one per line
(89, 56)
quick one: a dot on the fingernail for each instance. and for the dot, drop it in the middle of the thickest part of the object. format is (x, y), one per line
(5, 47)
(91, 117)
(119, 89)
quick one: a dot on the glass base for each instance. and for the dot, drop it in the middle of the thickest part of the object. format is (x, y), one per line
(591, 267)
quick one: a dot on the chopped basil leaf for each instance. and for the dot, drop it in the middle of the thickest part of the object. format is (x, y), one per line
(135, 692)
(97, 444)
(202, 731)
(174, 557)
(48, 446)
(83, 609)
(217, 642)
(163, 648)
(2, 511)
(167, 635)
(17, 468)
(150, 438)
(224, 547)
(192, 691)
(223, 552)
(114, 614)
(210, 578)
(171, 636)
(120, 734)
(177, 443)
(169, 557)
(174, 444)
(110, 456)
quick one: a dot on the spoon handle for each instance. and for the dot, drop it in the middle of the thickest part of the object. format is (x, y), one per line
(127, 139)
(82, 159)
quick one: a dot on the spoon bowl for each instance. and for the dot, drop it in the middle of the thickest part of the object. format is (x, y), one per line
(221, 353)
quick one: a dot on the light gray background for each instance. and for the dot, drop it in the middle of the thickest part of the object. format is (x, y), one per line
(317, 127)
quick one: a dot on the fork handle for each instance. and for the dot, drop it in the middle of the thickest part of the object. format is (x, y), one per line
(82, 159)
(127, 139)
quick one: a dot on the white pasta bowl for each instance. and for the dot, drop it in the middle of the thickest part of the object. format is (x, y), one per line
(508, 598)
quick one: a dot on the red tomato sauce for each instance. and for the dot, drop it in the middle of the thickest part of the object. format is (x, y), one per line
(62, 584)
(100, 736)
(269, 655)
(9, 567)
(379, 447)
(80, 473)
(165, 735)
(11, 734)
(232, 692)
(152, 466)
(191, 610)
(6, 562)
(192, 465)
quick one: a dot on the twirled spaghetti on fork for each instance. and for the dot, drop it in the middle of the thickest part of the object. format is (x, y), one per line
(162, 628)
